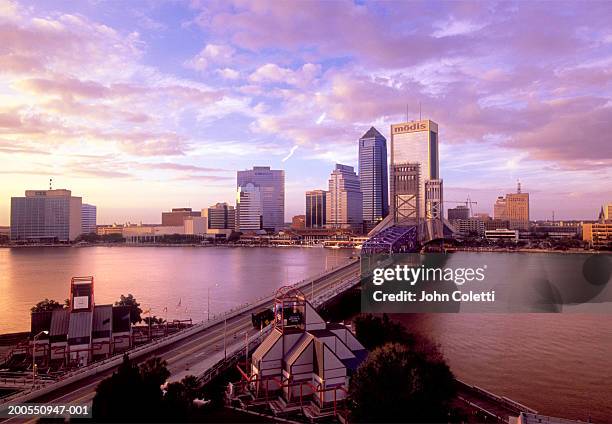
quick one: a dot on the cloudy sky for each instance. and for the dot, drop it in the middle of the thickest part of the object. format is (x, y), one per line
(140, 106)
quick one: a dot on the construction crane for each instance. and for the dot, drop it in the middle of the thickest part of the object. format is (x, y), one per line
(468, 203)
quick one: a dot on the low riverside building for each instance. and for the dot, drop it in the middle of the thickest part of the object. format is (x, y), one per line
(598, 234)
(304, 364)
(82, 332)
(502, 234)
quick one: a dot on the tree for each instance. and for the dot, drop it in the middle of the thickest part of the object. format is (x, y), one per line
(49, 305)
(135, 310)
(398, 383)
(372, 331)
(153, 320)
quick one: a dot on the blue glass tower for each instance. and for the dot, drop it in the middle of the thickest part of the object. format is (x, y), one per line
(373, 177)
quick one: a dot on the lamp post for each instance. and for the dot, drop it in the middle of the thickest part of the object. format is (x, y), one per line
(34, 355)
(208, 301)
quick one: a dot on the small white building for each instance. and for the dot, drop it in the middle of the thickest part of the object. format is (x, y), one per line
(502, 234)
(304, 362)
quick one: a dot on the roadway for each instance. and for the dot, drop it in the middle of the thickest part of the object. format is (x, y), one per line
(195, 354)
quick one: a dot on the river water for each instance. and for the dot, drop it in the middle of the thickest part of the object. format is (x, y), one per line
(559, 364)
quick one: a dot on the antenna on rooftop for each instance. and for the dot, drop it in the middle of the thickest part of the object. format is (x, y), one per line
(518, 185)
(420, 117)
(50, 183)
(407, 112)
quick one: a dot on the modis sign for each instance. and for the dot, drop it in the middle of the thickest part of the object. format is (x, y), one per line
(409, 127)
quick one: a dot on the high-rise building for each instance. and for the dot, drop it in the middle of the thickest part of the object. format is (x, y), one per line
(513, 208)
(316, 212)
(249, 208)
(272, 188)
(500, 208)
(220, 216)
(344, 201)
(46, 215)
(373, 177)
(88, 218)
(176, 217)
(414, 143)
(460, 212)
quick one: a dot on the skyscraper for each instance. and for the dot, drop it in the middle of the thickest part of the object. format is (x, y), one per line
(46, 215)
(88, 218)
(249, 208)
(220, 216)
(316, 213)
(416, 143)
(373, 177)
(271, 184)
(514, 208)
(344, 200)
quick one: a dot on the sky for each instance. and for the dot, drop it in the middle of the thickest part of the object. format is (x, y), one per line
(141, 106)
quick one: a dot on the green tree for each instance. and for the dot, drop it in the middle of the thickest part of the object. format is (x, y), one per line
(153, 320)
(135, 310)
(398, 383)
(49, 305)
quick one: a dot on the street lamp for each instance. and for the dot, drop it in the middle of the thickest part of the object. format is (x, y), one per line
(34, 354)
(208, 301)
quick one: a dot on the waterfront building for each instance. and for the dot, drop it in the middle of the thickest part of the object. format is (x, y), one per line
(414, 143)
(298, 222)
(195, 225)
(88, 218)
(502, 234)
(557, 230)
(514, 208)
(271, 184)
(500, 209)
(493, 224)
(482, 216)
(46, 215)
(344, 200)
(373, 177)
(84, 331)
(249, 208)
(469, 226)
(176, 216)
(597, 234)
(220, 216)
(459, 212)
(316, 205)
(607, 212)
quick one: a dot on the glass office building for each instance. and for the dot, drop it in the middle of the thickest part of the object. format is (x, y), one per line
(416, 142)
(373, 177)
(316, 205)
(271, 184)
(88, 218)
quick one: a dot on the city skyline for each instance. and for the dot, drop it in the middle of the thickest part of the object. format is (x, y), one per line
(154, 106)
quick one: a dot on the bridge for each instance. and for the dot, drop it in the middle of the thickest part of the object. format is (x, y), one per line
(200, 350)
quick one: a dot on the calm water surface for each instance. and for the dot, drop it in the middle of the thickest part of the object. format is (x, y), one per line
(178, 278)
(559, 364)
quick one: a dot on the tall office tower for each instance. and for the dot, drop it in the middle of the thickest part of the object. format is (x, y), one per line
(249, 208)
(405, 187)
(517, 207)
(373, 177)
(344, 200)
(177, 216)
(220, 216)
(272, 185)
(500, 208)
(46, 215)
(88, 218)
(415, 143)
(460, 212)
(316, 212)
